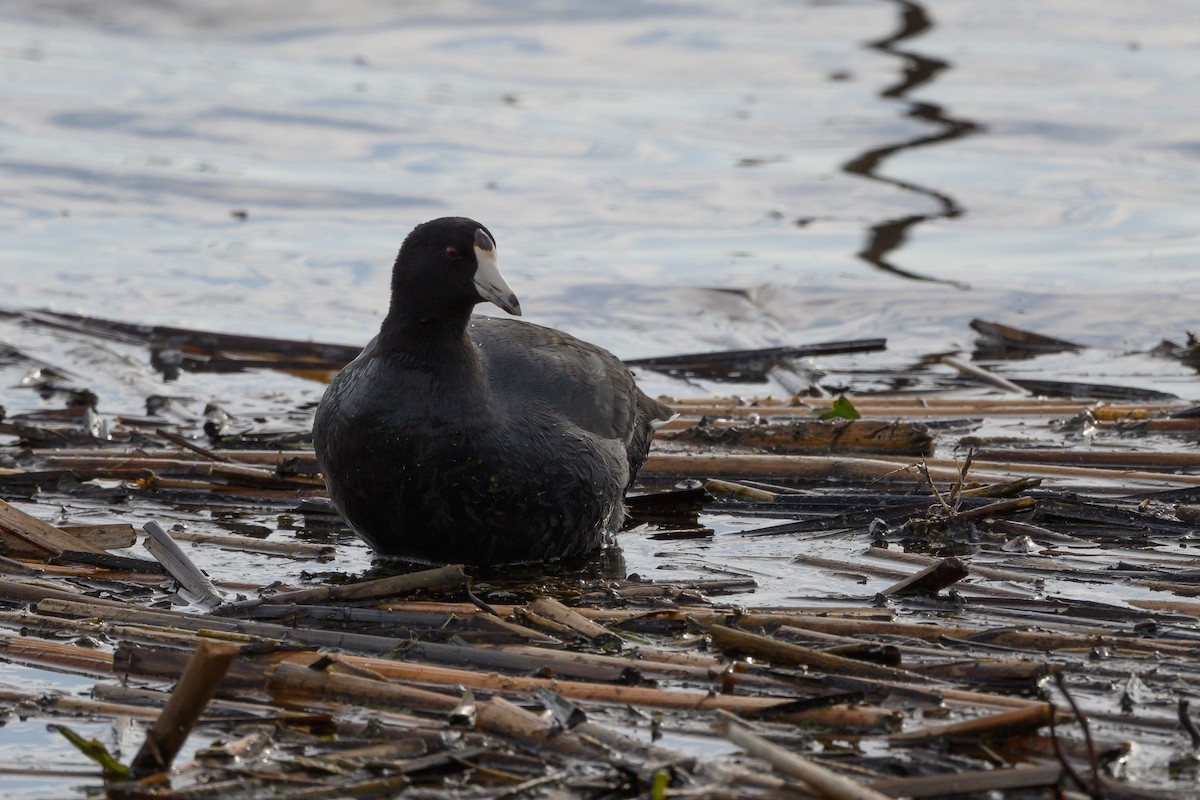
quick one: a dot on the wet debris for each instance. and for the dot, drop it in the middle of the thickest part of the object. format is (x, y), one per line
(749, 365)
(948, 654)
(1188, 353)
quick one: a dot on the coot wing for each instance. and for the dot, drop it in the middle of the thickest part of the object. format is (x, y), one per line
(528, 363)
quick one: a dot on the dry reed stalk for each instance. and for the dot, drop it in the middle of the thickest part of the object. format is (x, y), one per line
(187, 444)
(1023, 639)
(32, 590)
(556, 612)
(971, 782)
(981, 374)
(821, 468)
(361, 642)
(251, 544)
(1015, 505)
(1051, 471)
(516, 629)
(146, 633)
(1018, 722)
(1093, 459)
(718, 487)
(1182, 589)
(860, 718)
(129, 466)
(788, 654)
(1177, 606)
(646, 661)
(538, 621)
(1008, 672)
(77, 705)
(66, 657)
(539, 661)
(387, 786)
(47, 572)
(1180, 425)
(445, 577)
(904, 407)
(825, 781)
(289, 681)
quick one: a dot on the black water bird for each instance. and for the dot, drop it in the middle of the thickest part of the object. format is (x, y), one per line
(455, 438)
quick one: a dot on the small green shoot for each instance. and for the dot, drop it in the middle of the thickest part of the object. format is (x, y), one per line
(96, 752)
(658, 789)
(841, 409)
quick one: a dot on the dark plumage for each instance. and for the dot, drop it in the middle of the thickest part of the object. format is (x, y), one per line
(471, 439)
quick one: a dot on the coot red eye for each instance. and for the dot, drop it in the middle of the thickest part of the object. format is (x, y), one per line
(452, 253)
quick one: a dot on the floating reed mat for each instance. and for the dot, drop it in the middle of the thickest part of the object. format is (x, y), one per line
(988, 594)
(455, 705)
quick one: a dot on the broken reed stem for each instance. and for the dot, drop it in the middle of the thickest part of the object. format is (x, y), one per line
(825, 781)
(981, 374)
(39, 534)
(504, 718)
(196, 687)
(180, 567)
(556, 612)
(930, 580)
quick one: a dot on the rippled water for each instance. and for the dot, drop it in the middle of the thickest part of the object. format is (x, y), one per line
(848, 166)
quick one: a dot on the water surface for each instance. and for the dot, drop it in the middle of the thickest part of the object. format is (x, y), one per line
(847, 166)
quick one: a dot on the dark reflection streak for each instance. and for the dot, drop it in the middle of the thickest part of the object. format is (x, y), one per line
(890, 234)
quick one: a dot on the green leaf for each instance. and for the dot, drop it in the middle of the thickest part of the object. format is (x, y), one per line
(96, 752)
(841, 409)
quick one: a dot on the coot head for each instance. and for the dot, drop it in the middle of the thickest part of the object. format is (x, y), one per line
(445, 267)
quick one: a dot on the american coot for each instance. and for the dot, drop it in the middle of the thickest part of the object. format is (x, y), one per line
(472, 439)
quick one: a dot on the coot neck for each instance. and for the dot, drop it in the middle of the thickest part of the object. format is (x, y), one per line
(437, 341)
